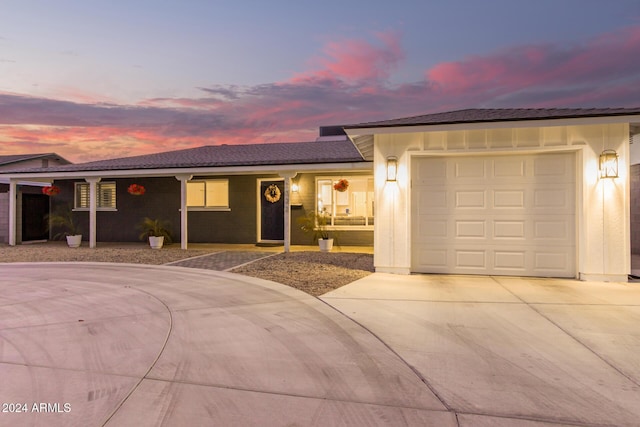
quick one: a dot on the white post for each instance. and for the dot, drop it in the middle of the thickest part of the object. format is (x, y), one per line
(287, 209)
(183, 210)
(93, 207)
(13, 198)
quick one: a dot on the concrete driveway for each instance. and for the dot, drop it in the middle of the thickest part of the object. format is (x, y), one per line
(131, 345)
(501, 351)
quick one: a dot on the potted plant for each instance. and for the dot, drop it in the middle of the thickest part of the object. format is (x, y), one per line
(62, 218)
(156, 231)
(317, 225)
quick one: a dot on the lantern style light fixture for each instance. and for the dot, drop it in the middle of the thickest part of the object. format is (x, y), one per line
(609, 164)
(392, 169)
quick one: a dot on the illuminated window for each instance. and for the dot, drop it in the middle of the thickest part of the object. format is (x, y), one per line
(106, 195)
(208, 193)
(351, 207)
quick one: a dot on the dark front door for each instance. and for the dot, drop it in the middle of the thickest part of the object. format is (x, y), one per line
(272, 210)
(34, 209)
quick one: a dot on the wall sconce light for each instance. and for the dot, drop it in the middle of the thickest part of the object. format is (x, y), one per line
(609, 164)
(392, 168)
(295, 188)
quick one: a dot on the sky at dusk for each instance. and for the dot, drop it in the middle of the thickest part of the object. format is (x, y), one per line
(101, 79)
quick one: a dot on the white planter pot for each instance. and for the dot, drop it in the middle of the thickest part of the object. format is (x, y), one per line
(156, 242)
(325, 245)
(74, 241)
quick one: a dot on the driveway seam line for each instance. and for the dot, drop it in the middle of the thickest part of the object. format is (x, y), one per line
(576, 339)
(414, 370)
(153, 364)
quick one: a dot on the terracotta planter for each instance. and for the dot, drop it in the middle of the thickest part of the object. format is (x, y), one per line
(74, 241)
(325, 245)
(156, 242)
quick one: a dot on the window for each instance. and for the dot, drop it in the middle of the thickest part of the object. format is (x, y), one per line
(213, 194)
(352, 207)
(106, 195)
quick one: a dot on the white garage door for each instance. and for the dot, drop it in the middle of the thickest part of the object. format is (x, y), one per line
(499, 215)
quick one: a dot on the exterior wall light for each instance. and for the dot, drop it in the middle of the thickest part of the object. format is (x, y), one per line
(392, 169)
(609, 164)
(295, 188)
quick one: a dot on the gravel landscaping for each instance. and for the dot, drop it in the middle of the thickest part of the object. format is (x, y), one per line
(312, 272)
(315, 273)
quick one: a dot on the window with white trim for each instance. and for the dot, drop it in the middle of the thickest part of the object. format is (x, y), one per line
(210, 193)
(105, 192)
(352, 207)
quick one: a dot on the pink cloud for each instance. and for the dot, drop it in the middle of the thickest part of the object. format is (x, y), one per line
(348, 83)
(357, 60)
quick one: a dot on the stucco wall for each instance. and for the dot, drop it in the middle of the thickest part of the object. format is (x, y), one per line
(162, 200)
(603, 247)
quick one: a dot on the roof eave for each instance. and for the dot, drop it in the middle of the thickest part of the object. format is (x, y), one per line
(360, 166)
(355, 130)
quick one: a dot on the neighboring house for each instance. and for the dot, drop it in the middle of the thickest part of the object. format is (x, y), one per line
(31, 204)
(217, 194)
(503, 192)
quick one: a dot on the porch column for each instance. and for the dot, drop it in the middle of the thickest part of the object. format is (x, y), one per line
(13, 199)
(287, 208)
(93, 207)
(183, 210)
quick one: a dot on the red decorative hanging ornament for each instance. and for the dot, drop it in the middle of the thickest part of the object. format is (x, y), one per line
(51, 190)
(136, 190)
(341, 185)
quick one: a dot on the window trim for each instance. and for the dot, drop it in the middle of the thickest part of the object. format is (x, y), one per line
(333, 179)
(205, 208)
(98, 189)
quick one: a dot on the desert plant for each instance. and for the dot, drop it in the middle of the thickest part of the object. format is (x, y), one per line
(317, 225)
(62, 218)
(155, 227)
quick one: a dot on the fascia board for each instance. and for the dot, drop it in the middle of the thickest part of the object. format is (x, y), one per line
(226, 170)
(577, 121)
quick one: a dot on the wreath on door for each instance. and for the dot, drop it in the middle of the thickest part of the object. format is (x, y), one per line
(272, 194)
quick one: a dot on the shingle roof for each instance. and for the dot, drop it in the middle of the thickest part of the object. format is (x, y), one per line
(15, 158)
(227, 155)
(476, 115)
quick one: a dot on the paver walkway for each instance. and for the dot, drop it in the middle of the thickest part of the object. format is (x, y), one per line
(221, 261)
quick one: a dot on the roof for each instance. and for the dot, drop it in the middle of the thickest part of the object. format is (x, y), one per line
(226, 155)
(16, 158)
(479, 115)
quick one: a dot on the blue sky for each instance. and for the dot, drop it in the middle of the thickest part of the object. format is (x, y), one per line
(96, 79)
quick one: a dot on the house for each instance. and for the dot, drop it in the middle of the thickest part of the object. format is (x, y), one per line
(523, 192)
(518, 192)
(251, 193)
(32, 205)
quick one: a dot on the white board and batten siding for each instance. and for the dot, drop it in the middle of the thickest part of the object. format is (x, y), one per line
(494, 214)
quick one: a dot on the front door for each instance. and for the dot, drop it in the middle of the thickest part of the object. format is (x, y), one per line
(271, 211)
(34, 209)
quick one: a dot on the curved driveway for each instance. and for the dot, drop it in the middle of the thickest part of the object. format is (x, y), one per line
(111, 344)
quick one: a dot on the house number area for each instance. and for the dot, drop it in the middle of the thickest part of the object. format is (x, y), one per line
(36, 407)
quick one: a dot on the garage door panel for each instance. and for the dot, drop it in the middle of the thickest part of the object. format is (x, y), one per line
(470, 259)
(508, 199)
(510, 262)
(470, 199)
(469, 168)
(470, 229)
(496, 215)
(508, 168)
(509, 229)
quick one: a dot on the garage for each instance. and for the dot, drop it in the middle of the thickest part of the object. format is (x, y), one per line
(494, 214)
